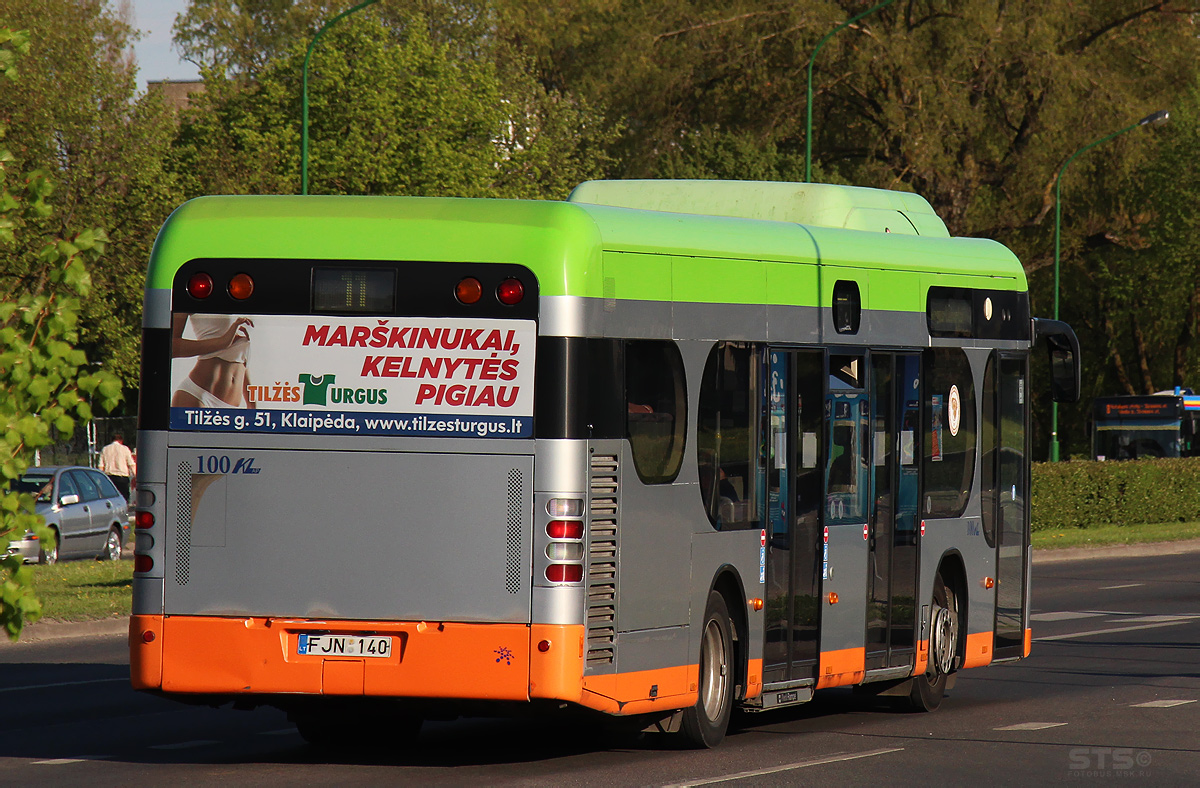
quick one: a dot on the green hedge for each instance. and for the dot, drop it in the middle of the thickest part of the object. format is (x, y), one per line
(1081, 494)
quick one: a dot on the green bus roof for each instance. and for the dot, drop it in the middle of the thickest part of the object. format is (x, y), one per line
(563, 243)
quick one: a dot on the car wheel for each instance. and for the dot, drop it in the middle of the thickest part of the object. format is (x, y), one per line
(929, 688)
(112, 547)
(48, 554)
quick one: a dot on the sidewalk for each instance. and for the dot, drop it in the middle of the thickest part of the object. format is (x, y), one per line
(57, 630)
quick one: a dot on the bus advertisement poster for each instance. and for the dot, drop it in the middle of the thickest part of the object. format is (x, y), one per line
(368, 376)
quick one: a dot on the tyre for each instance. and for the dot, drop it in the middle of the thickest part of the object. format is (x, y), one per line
(49, 552)
(705, 724)
(929, 688)
(112, 546)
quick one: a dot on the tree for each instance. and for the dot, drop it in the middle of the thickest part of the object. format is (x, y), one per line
(391, 112)
(76, 117)
(39, 364)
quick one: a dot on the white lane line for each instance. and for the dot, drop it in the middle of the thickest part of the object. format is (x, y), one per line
(61, 684)
(1127, 585)
(184, 745)
(1160, 619)
(1161, 704)
(1030, 726)
(1107, 631)
(834, 758)
(65, 761)
(1062, 615)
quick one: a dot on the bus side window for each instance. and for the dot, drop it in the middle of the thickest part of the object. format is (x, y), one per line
(726, 430)
(949, 462)
(656, 408)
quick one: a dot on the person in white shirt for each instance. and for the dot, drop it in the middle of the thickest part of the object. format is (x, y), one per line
(116, 460)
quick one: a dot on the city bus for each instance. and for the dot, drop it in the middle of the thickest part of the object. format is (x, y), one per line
(659, 451)
(1163, 424)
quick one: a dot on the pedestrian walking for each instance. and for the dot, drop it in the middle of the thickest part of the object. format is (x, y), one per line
(116, 460)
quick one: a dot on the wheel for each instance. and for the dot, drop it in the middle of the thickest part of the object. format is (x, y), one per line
(929, 688)
(49, 552)
(112, 546)
(704, 724)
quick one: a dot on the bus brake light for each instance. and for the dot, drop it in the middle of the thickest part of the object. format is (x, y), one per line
(510, 292)
(200, 285)
(564, 573)
(143, 519)
(565, 529)
(142, 563)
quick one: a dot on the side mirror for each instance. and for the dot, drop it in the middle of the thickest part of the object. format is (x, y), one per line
(68, 499)
(1063, 347)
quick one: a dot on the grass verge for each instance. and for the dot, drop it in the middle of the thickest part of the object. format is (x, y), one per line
(1101, 535)
(84, 590)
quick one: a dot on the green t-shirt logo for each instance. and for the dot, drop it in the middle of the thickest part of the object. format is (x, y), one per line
(316, 388)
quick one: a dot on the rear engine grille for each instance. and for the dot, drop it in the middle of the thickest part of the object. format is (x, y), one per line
(602, 561)
(183, 526)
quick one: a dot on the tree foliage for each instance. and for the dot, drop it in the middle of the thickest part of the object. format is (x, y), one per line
(41, 370)
(76, 118)
(392, 111)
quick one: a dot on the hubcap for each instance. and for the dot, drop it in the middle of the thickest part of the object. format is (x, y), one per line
(714, 671)
(945, 639)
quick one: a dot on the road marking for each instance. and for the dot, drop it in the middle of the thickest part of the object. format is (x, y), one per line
(1107, 631)
(1062, 615)
(1030, 726)
(184, 745)
(61, 684)
(1161, 704)
(1127, 585)
(65, 761)
(834, 758)
(1160, 619)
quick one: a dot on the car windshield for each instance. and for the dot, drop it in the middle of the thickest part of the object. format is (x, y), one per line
(39, 484)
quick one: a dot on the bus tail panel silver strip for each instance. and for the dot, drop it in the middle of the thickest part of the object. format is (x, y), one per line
(602, 561)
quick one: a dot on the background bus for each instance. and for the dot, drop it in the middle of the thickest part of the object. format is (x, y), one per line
(664, 449)
(1160, 425)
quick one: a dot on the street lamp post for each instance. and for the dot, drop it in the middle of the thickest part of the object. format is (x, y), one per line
(808, 122)
(1157, 118)
(304, 96)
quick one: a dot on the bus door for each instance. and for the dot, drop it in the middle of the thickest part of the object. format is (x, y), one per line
(892, 547)
(792, 454)
(1012, 507)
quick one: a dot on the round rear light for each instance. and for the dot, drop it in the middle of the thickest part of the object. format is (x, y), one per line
(468, 291)
(143, 519)
(200, 286)
(142, 563)
(510, 292)
(241, 286)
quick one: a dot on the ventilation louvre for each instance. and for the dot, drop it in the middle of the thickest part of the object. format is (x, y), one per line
(602, 561)
(512, 552)
(183, 526)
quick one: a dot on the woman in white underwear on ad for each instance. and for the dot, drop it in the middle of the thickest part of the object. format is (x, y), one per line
(222, 345)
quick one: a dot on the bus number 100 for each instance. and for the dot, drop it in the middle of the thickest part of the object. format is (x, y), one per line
(213, 463)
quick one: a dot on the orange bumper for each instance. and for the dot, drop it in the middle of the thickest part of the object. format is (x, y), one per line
(235, 656)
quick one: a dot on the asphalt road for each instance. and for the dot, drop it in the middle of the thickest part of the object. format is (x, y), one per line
(1111, 693)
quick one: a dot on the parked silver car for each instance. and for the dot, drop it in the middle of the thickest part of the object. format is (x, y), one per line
(88, 517)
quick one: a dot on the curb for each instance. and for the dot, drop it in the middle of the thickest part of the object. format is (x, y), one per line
(59, 630)
(1051, 555)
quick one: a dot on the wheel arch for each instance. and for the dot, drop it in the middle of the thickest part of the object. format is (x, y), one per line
(953, 571)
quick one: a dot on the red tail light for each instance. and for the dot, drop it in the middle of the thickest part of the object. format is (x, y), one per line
(564, 573)
(142, 563)
(143, 519)
(200, 286)
(565, 529)
(510, 292)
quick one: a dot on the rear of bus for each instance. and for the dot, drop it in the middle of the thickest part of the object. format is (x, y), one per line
(362, 521)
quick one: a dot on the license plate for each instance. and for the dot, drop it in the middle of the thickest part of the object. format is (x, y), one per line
(344, 645)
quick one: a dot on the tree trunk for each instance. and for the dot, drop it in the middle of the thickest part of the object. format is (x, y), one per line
(1139, 349)
(1115, 352)
(1187, 333)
